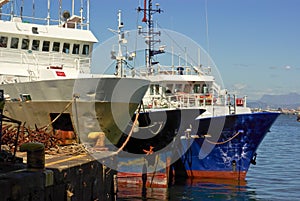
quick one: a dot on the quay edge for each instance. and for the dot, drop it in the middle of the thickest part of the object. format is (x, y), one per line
(65, 177)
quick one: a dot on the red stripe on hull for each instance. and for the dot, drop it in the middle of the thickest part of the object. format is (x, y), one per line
(217, 174)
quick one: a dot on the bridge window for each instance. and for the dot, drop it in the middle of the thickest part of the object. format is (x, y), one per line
(197, 88)
(178, 88)
(25, 44)
(169, 88)
(56, 46)
(75, 49)
(35, 45)
(154, 89)
(46, 46)
(187, 88)
(14, 43)
(86, 49)
(66, 48)
(3, 41)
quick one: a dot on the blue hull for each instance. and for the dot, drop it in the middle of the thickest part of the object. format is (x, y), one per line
(225, 146)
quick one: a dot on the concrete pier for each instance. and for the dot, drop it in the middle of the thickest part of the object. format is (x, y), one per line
(65, 177)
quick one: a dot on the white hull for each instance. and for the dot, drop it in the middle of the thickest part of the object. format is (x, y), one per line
(92, 104)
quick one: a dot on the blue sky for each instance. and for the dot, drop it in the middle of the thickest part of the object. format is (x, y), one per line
(254, 43)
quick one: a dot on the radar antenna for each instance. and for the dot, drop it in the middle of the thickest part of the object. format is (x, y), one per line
(150, 33)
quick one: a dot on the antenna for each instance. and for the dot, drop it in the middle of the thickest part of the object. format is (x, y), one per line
(22, 7)
(150, 33)
(121, 40)
(88, 14)
(81, 14)
(48, 13)
(33, 9)
(59, 13)
(73, 7)
(12, 9)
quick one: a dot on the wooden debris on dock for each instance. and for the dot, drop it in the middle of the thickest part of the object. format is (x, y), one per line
(49, 138)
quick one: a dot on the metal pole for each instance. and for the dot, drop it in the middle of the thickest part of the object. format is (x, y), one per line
(48, 15)
(88, 14)
(1, 114)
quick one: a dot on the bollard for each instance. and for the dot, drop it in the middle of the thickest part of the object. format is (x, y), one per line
(35, 154)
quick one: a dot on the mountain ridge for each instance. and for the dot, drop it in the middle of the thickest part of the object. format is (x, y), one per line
(289, 101)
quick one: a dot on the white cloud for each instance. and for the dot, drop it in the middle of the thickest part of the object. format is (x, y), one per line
(287, 67)
(239, 86)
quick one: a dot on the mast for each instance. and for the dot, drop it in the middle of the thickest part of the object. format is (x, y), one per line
(121, 41)
(88, 14)
(150, 34)
(119, 57)
(48, 12)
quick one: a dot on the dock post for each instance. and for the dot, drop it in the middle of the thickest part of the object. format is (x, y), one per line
(35, 154)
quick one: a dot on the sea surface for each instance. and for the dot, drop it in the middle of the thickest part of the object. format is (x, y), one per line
(276, 176)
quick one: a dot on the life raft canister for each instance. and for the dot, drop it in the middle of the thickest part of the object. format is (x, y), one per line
(239, 102)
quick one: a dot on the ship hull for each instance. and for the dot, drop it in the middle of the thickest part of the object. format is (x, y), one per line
(224, 147)
(148, 154)
(216, 147)
(158, 128)
(83, 105)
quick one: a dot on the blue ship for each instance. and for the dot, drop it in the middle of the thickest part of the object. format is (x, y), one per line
(227, 152)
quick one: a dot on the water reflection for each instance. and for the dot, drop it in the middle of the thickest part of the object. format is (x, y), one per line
(135, 192)
(191, 189)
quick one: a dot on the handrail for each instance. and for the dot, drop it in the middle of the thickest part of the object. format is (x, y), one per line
(184, 100)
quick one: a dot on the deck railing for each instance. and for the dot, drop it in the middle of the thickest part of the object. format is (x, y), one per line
(185, 100)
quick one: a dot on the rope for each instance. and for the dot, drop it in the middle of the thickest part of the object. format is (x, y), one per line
(131, 131)
(67, 106)
(219, 143)
(153, 175)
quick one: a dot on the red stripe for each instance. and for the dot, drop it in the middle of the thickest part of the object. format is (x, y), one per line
(217, 174)
(60, 73)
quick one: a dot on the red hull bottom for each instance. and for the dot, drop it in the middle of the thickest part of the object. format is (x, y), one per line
(217, 174)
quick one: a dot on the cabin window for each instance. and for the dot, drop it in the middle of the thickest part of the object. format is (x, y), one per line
(151, 89)
(56, 46)
(14, 43)
(46, 46)
(204, 89)
(86, 49)
(3, 41)
(178, 87)
(66, 48)
(25, 44)
(156, 87)
(169, 88)
(187, 88)
(75, 49)
(35, 45)
(196, 88)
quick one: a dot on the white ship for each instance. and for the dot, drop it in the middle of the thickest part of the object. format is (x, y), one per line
(45, 72)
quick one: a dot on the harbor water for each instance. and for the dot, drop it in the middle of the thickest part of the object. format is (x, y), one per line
(276, 176)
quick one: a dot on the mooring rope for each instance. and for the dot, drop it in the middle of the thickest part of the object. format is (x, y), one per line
(153, 175)
(131, 131)
(219, 143)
